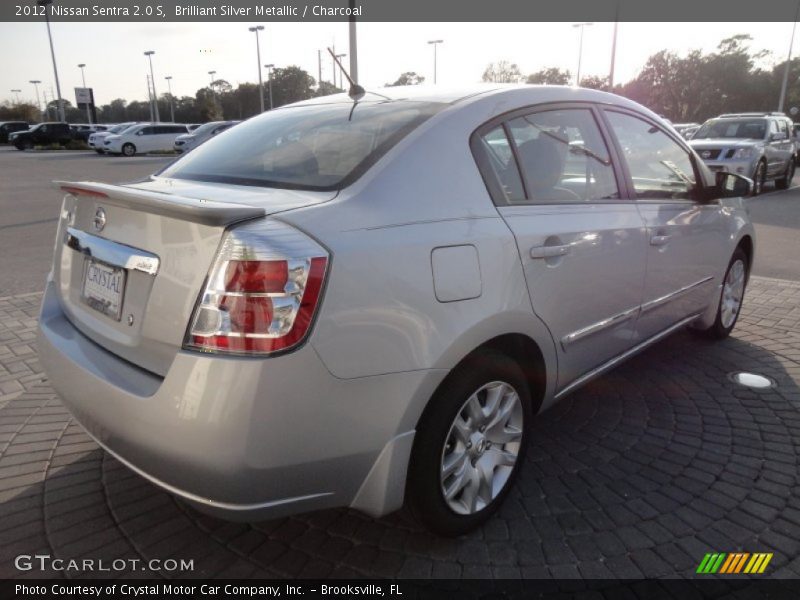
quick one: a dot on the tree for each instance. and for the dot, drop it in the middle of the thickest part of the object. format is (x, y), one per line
(502, 72)
(113, 112)
(326, 88)
(291, 85)
(22, 111)
(550, 76)
(407, 78)
(595, 82)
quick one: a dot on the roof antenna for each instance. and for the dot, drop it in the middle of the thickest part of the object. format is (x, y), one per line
(356, 92)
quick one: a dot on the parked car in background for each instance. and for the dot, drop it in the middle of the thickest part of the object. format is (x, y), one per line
(189, 141)
(683, 127)
(356, 304)
(9, 127)
(96, 139)
(689, 132)
(43, 134)
(757, 145)
(143, 138)
(82, 132)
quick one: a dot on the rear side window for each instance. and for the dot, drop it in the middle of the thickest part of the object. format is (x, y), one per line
(500, 157)
(563, 157)
(316, 147)
(659, 166)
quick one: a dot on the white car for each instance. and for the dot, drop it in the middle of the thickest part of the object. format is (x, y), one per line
(142, 138)
(189, 141)
(96, 139)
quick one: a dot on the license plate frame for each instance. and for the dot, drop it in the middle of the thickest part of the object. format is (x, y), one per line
(106, 296)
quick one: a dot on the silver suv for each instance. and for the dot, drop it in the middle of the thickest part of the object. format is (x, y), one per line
(361, 303)
(760, 146)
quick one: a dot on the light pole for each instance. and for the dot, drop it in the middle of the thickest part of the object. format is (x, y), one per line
(171, 99)
(341, 83)
(788, 61)
(45, 4)
(582, 26)
(149, 55)
(269, 68)
(211, 85)
(36, 83)
(83, 78)
(435, 44)
(255, 30)
(16, 92)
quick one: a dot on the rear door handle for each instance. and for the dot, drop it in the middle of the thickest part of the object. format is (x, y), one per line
(659, 240)
(549, 251)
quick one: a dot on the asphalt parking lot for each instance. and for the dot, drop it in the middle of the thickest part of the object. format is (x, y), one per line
(640, 473)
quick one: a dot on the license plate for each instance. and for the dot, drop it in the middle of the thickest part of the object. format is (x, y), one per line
(104, 288)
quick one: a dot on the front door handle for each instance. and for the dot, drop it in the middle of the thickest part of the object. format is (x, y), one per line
(549, 251)
(659, 240)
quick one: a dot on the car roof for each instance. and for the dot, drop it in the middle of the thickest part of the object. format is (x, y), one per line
(519, 94)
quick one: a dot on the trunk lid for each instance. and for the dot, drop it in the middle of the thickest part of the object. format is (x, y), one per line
(146, 250)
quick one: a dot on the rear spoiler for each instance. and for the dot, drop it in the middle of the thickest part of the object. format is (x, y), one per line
(205, 212)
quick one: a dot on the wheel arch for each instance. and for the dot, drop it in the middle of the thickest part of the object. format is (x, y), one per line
(524, 351)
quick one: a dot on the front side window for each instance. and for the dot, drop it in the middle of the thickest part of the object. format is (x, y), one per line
(314, 147)
(659, 167)
(563, 157)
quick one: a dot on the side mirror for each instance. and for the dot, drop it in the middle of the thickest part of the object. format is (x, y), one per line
(778, 136)
(731, 185)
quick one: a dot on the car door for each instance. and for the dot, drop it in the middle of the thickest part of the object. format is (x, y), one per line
(785, 145)
(145, 139)
(581, 245)
(773, 149)
(685, 237)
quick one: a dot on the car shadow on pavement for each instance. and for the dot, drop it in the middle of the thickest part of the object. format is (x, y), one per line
(638, 474)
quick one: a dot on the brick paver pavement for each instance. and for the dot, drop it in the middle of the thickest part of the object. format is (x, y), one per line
(640, 473)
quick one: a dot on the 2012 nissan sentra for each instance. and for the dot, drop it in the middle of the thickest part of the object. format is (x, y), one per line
(365, 301)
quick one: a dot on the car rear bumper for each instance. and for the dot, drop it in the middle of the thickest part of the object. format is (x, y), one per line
(241, 438)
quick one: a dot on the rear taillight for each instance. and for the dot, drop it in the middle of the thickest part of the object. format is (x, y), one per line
(262, 292)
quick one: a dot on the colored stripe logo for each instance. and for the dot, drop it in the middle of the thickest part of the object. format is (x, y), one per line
(734, 563)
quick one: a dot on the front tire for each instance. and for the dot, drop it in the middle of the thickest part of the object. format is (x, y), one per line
(730, 299)
(128, 149)
(470, 445)
(759, 178)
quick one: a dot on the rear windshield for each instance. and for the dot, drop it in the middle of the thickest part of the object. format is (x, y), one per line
(318, 147)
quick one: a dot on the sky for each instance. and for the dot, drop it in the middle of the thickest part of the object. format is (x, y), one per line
(117, 68)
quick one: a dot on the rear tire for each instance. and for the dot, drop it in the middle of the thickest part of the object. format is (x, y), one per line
(786, 181)
(730, 300)
(470, 445)
(128, 149)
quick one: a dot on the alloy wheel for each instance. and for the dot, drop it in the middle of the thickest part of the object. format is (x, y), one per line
(481, 448)
(732, 292)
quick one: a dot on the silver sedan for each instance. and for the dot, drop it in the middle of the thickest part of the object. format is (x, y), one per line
(365, 301)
